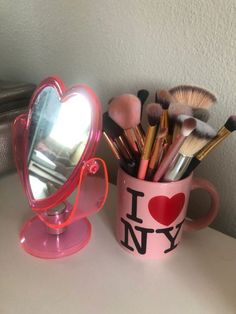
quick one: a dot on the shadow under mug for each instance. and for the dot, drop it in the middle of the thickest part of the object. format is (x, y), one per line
(152, 215)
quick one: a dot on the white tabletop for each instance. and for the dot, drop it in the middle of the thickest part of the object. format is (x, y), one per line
(102, 278)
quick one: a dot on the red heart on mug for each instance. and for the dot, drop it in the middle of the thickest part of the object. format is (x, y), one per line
(164, 209)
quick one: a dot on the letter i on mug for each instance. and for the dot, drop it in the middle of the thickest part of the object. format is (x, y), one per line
(152, 215)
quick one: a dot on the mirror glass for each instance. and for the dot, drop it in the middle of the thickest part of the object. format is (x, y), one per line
(58, 134)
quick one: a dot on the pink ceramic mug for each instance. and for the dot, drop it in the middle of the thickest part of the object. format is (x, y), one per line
(152, 215)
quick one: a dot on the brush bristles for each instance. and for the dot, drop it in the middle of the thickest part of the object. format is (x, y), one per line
(202, 130)
(231, 123)
(201, 114)
(142, 94)
(165, 104)
(154, 112)
(176, 109)
(188, 126)
(165, 95)
(192, 145)
(193, 96)
(125, 110)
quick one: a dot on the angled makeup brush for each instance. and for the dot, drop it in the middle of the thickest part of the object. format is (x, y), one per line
(193, 96)
(201, 114)
(125, 110)
(187, 128)
(116, 134)
(202, 134)
(154, 112)
(155, 154)
(174, 111)
(226, 130)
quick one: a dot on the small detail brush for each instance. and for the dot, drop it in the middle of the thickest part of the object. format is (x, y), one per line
(154, 112)
(226, 130)
(192, 144)
(193, 96)
(142, 95)
(187, 128)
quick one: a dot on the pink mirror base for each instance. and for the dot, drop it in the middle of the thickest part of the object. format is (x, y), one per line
(37, 241)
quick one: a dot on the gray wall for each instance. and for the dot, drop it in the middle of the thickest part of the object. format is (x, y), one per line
(121, 46)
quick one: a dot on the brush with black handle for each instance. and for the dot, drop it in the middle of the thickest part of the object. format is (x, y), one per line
(226, 130)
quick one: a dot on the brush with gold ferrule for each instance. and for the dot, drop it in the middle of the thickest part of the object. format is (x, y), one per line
(225, 131)
(153, 113)
(155, 154)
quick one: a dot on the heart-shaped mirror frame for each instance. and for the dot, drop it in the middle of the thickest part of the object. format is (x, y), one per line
(94, 135)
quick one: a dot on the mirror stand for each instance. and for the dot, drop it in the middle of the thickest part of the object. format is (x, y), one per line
(45, 235)
(42, 241)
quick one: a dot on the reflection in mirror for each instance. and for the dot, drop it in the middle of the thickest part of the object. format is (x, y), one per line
(58, 134)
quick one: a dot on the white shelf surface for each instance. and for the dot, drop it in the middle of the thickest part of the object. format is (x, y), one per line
(103, 279)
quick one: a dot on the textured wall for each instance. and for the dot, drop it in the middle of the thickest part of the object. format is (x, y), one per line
(121, 46)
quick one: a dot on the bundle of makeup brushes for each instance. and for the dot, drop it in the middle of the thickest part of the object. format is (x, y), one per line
(177, 137)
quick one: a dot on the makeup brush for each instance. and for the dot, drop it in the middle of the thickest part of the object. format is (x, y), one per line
(193, 96)
(226, 130)
(164, 95)
(202, 134)
(142, 95)
(125, 110)
(128, 166)
(155, 154)
(174, 111)
(201, 114)
(154, 112)
(187, 128)
(116, 133)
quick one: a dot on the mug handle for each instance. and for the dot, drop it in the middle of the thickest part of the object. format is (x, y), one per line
(202, 222)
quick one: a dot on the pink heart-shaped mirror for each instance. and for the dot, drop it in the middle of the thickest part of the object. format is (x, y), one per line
(62, 131)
